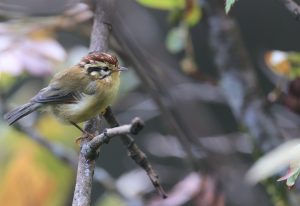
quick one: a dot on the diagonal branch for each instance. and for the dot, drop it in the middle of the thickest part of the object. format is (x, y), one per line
(134, 128)
(238, 79)
(136, 154)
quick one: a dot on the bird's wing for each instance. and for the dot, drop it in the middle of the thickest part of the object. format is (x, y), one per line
(55, 94)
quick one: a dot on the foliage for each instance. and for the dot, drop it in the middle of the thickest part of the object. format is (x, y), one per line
(286, 64)
(228, 5)
(30, 166)
(278, 159)
(166, 4)
(176, 39)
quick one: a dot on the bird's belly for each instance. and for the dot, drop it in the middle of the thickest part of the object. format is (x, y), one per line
(86, 108)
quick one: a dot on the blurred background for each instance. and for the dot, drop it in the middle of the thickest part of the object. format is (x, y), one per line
(216, 91)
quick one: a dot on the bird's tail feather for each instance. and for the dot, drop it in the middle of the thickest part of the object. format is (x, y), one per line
(20, 112)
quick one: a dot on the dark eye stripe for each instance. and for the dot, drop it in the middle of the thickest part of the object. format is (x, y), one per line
(91, 69)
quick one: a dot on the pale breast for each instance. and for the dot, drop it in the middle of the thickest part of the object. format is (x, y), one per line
(87, 105)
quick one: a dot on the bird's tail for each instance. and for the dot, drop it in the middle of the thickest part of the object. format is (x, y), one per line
(21, 111)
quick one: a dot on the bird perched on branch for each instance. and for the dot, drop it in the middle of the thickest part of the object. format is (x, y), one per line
(77, 94)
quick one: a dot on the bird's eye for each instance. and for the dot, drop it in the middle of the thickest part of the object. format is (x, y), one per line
(105, 69)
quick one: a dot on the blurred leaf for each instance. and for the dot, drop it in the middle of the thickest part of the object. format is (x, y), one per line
(294, 57)
(286, 64)
(193, 16)
(290, 182)
(28, 180)
(275, 161)
(175, 16)
(228, 5)
(163, 4)
(277, 61)
(292, 174)
(6, 80)
(110, 200)
(54, 130)
(129, 81)
(176, 38)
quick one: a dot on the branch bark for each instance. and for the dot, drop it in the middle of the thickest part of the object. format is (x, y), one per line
(85, 170)
(90, 149)
(99, 42)
(136, 154)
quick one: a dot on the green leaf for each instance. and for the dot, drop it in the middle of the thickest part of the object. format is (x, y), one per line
(176, 39)
(228, 5)
(110, 199)
(290, 182)
(163, 4)
(193, 16)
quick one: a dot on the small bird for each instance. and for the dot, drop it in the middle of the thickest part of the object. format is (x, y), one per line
(76, 94)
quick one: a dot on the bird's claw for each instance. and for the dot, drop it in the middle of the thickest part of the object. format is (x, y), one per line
(85, 136)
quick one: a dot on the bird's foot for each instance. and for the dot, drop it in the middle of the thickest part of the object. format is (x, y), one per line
(85, 136)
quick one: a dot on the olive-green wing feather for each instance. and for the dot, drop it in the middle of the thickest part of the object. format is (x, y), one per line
(56, 95)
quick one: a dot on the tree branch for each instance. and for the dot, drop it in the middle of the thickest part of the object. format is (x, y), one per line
(238, 79)
(99, 42)
(85, 171)
(153, 81)
(89, 149)
(136, 154)
(102, 25)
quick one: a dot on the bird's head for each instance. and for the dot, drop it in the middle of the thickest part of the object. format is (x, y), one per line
(100, 65)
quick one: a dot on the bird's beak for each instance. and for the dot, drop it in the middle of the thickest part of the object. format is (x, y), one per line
(122, 69)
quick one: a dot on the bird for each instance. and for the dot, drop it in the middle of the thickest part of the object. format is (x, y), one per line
(78, 93)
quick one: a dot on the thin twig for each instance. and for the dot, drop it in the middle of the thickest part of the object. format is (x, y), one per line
(89, 149)
(89, 153)
(293, 7)
(136, 154)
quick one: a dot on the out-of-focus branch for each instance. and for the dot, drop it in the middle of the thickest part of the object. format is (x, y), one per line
(146, 66)
(136, 154)
(293, 7)
(238, 79)
(102, 25)
(108, 182)
(62, 153)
